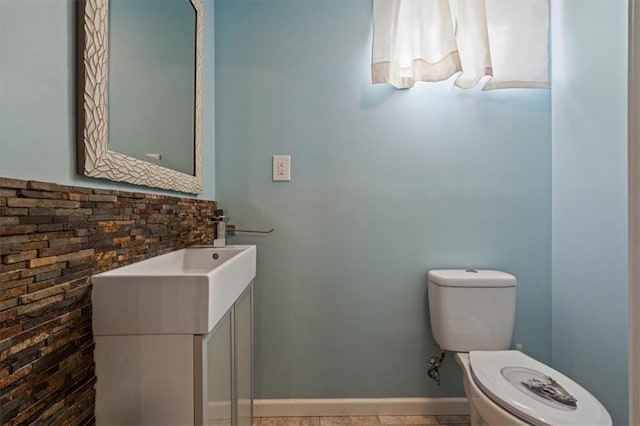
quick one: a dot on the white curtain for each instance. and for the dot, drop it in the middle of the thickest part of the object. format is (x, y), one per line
(430, 40)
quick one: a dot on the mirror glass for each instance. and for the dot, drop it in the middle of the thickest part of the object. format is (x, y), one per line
(151, 86)
(140, 66)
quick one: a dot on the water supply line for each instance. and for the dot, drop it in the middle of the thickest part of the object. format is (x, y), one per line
(434, 365)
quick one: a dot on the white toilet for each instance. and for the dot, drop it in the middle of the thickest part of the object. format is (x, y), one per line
(472, 314)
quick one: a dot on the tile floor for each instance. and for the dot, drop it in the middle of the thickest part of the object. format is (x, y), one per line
(363, 420)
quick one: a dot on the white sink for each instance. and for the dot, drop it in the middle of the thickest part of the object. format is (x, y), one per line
(183, 292)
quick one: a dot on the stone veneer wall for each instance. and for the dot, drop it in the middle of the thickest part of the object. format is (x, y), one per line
(52, 239)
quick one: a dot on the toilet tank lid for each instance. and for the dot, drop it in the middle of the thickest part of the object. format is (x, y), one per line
(471, 278)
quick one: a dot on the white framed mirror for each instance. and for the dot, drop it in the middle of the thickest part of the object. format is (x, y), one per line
(140, 92)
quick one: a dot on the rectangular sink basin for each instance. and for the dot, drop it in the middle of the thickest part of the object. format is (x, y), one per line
(183, 292)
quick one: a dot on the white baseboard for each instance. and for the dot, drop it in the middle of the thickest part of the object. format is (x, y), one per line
(359, 407)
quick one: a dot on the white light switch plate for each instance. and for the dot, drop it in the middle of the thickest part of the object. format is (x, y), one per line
(281, 168)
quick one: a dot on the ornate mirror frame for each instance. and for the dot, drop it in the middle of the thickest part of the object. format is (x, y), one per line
(94, 157)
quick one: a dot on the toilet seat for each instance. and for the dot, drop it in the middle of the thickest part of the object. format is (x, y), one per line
(499, 375)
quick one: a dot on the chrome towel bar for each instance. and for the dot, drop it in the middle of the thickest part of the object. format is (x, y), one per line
(231, 230)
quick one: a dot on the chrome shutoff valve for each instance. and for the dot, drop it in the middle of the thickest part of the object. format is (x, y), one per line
(434, 365)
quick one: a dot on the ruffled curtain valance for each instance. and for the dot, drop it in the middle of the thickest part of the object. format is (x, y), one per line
(430, 40)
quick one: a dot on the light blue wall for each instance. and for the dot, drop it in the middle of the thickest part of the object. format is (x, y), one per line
(589, 133)
(37, 95)
(386, 185)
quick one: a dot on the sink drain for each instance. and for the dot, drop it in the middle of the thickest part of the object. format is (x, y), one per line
(215, 256)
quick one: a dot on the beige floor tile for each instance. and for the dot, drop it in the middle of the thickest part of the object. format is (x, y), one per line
(349, 420)
(440, 420)
(290, 421)
(454, 419)
(408, 420)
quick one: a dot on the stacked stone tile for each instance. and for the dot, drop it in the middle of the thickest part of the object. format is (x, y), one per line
(52, 239)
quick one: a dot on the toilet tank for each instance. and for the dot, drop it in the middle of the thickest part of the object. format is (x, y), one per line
(472, 310)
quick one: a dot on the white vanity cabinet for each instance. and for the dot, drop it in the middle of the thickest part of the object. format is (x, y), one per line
(179, 379)
(189, 368)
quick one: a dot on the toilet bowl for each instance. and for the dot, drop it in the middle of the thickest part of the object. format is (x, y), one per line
(472, 314)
